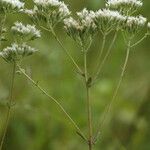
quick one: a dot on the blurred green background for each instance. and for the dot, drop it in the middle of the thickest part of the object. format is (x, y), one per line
(37, 123)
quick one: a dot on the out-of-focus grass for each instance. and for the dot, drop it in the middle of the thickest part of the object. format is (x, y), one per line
(37, 123)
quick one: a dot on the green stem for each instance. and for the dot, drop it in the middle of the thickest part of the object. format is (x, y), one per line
(100, 53)
(90, 140)
(105, 58)
(9, 107)
(55, 101)
(107, 111)
(102, 48)
(64, 49)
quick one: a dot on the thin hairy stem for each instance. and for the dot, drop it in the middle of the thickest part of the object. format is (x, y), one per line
(54, 100)
(143, 38)
(90, 140)
(105, 58)
(64, 49)
(10, 105)
(108, 108)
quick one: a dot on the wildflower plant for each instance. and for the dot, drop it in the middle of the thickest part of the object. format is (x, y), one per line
(117, 17)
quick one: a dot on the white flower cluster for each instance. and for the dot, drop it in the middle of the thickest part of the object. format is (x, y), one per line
(16, 52)
(124, 3)
(136, 21)
(83, 29)
(10, 5)
(51, 11)
(107, 19)
(130, 23)
(87, 18)
(133, 24)
(26, 31)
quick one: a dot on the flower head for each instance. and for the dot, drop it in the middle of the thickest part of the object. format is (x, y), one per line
(7, 6)
(28, 31)
(83, 29)
(124, 4)
(16, 52)
(51, 11)
(134, 24)
(107, 19)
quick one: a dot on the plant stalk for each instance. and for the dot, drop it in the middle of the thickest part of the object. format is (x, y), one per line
(105, 58)
(101, 51)
(64, 49)
(55, 101)
(90, 140)
(10, 105)
(108, 108)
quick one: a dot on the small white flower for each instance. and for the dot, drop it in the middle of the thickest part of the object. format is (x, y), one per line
(26, 30)
(87, 18)
(16, 52)
(29, 12)
(70, 22)
(63, 10)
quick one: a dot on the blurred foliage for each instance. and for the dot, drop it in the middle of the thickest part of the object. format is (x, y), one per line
(37, 124)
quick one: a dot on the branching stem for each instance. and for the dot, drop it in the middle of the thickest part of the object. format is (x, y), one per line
(105, 58)
(108, 108)
(55, 101)
(64, 49)
(101, 50)
(138, 42)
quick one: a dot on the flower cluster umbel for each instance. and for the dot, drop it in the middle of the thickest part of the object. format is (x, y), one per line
(20, 49)
(83, 29)
(27, 31)
(50, 11)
